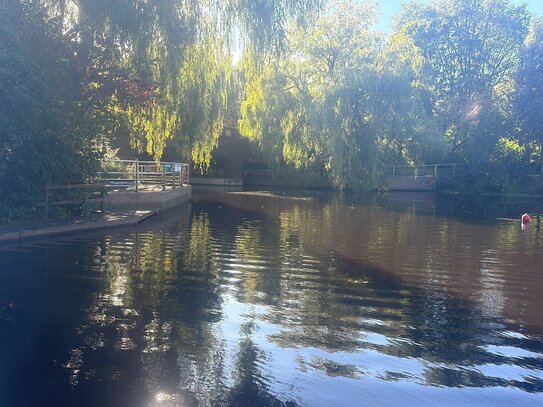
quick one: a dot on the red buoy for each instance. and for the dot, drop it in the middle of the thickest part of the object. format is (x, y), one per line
(525, 218)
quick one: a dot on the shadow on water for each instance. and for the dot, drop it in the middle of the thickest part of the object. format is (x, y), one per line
(264, 301)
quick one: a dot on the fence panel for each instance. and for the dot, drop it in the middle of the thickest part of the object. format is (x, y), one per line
(134, 174)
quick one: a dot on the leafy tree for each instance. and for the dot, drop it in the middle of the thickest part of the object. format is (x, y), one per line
(340, 97)
(164, 45)
(530, 88)
(45, 133)
(472, 52)
(75, 72)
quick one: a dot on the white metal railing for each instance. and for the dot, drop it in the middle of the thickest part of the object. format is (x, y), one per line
(436, 170)
(135, 173)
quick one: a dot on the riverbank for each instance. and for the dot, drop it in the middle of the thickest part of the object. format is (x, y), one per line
(122, 208)
(26, 231)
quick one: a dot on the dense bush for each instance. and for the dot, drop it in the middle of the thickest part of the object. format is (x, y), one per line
(41, 112)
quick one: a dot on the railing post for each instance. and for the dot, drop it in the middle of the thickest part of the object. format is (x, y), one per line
(454, 170)
(393, 170)
(163, 177)
(137, 175)
(435, 170)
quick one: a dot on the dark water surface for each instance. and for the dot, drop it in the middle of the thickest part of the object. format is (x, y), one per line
(274, 299)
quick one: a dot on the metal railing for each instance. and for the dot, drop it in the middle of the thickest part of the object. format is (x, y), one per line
(83, 195)
(135, 173)
(436, 170)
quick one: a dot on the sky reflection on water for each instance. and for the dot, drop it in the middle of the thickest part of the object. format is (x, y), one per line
(265, 300)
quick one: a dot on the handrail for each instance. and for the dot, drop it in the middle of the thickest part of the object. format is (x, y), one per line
(133, 172)
(436, 170)
(48, 202)
(140, 161)
(136, 173)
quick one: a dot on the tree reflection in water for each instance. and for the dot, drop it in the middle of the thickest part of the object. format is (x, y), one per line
(272, 301)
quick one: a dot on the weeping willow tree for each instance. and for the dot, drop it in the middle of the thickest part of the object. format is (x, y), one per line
(167, 62)
(341, 97)
(204, 78)
(78, 72)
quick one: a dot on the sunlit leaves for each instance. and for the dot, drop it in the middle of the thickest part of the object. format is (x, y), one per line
(471, 51)
(203, 96)
(529, 95)
(342, 98)
(175, 47)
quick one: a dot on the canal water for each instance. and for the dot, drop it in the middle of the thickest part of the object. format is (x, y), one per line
(281, 299)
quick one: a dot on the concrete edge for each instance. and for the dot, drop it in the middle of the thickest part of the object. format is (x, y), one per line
(76, 228)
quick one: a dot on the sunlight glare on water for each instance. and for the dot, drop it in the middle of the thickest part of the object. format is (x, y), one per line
(265, 300)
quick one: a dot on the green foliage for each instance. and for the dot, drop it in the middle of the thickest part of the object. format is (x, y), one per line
(74, 72)
(262, 24)
(340, 97)
(529, 97)
(471, 51)
(457, 80)
(43, 137)
(203, 97)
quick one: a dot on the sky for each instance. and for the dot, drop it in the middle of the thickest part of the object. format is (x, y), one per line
(389, 8)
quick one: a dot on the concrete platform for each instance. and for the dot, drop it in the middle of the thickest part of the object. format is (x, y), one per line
(94, 222)
(121, 208)
(147, 198)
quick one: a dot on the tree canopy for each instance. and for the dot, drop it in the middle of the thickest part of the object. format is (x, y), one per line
(78, 71)
(317, 85)
(455, 81)
(529, 93)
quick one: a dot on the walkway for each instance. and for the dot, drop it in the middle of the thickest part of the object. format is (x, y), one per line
(10, 233)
